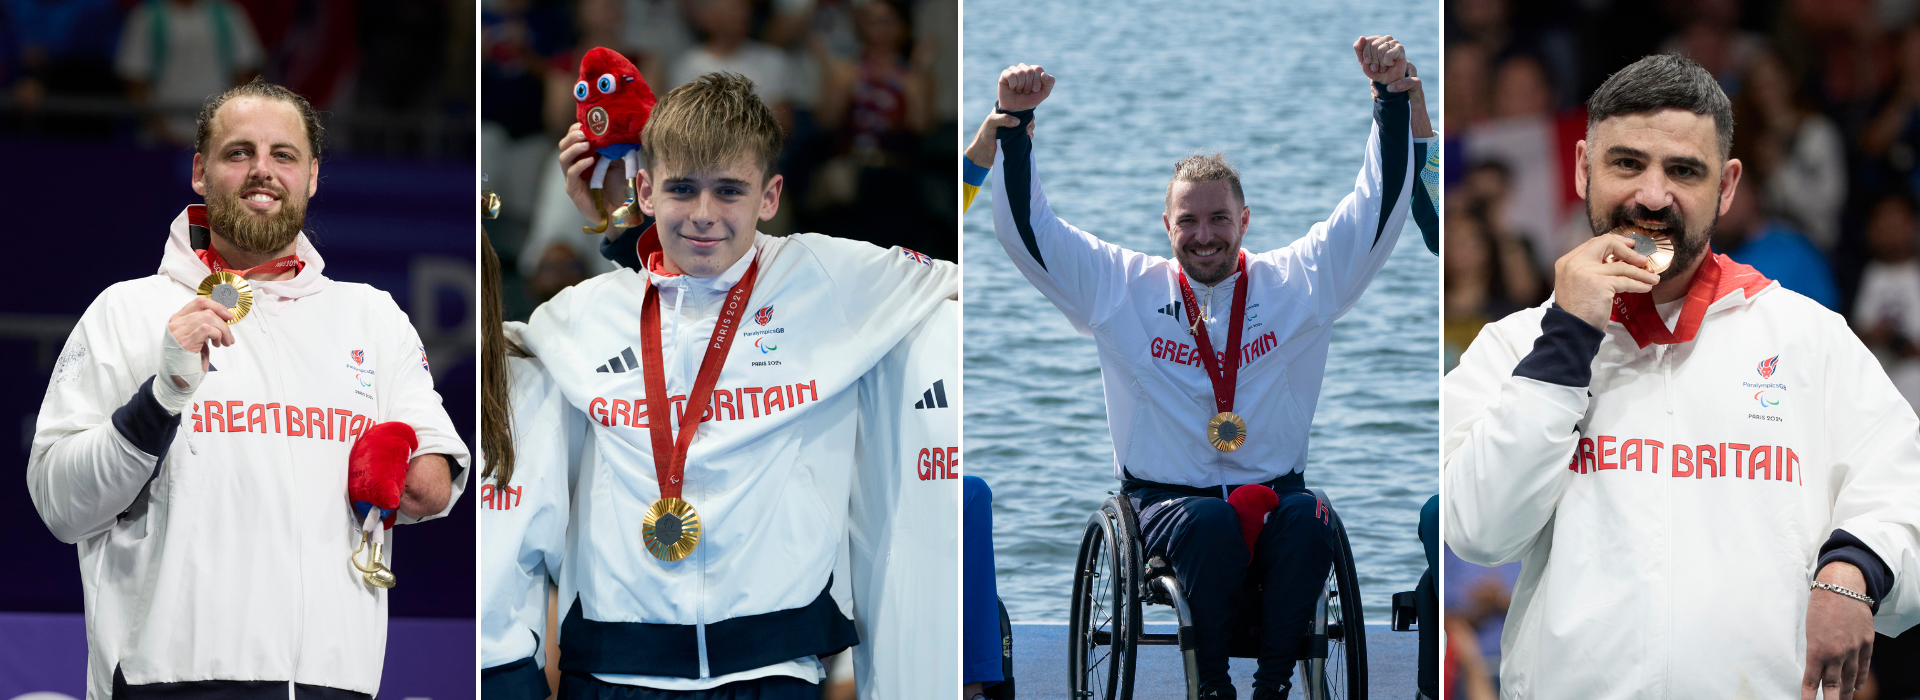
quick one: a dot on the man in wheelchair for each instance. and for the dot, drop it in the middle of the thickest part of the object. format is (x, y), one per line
(1190, 422)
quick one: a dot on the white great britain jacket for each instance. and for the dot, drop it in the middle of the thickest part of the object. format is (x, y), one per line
(213, 545)
(769, 470)
(1670, 502)
(1159, 396)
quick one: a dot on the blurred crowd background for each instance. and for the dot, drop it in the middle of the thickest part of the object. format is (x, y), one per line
(865, 88)
(97, 106)
(1826, 97)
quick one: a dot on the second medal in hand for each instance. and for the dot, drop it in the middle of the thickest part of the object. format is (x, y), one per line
(1226, 431)
(671, 527)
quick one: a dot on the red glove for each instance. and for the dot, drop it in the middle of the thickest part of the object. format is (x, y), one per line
(377, 468)
(1252, 503)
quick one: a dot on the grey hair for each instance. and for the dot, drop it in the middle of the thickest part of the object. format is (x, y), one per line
(1663, 81)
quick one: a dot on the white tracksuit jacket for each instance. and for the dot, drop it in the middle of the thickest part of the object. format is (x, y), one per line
(228, 560)
(1159, 396)
(904, 525)
(523, 525)
(1669, 502)
(769, 470)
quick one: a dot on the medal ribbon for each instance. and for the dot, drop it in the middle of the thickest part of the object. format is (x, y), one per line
(1224, 377)
(669, 450)
(1717, 276)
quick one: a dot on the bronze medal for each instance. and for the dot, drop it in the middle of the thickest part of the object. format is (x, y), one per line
(671, 529)
(228, 290)
(1226, 431)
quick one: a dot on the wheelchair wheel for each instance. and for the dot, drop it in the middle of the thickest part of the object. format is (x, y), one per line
(1100, 654)
(1345, 674)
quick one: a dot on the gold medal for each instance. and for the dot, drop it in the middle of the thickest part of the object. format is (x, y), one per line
(670, 529)
(375, 571)
(1226, 431)
(228, 290)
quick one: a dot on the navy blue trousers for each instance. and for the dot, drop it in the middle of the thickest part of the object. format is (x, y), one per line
(577, 686)
(1199, 535)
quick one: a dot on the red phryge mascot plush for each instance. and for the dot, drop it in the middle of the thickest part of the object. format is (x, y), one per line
(376, 476)
(1252, 503)
(613, 105)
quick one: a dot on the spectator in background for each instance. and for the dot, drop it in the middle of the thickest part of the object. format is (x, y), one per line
(1711, 36)
(1523, 136)
(726, 46)
(1489, 272)
(1796, 154)
(1466, 85)
(1773, 247)
(59, 48)
(656, 30)
(884, 95)
(175, 53)
(1887, 312)
(1476, 604)
(1893, 137)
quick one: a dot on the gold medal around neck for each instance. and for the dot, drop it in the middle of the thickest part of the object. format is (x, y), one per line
(1226, 431)
(228, 290)
(670, 529)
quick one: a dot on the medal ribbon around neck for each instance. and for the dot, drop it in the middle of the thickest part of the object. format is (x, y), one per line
(671, 528)
(1227, 431)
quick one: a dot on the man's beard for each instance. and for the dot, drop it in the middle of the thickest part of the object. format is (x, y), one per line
(1687, 247)
(251, 232)
(1215, 273)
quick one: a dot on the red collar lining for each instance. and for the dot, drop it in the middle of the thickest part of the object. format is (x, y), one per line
(1717, 277)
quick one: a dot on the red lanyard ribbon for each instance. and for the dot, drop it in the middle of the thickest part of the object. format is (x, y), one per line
(1224, 377)
(669, 450)
(1717, 276)
(213, 260)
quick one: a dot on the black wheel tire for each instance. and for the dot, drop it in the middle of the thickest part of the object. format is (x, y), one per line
(1347, 655)
(1099, 645)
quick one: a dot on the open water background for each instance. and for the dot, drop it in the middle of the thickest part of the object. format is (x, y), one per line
(1142, 84)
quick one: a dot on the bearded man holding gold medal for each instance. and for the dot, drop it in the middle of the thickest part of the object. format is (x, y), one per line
(229, 439)
(1212, 360)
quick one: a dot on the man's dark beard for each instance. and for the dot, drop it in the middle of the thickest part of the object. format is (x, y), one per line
(251, 232)
(1686, 247)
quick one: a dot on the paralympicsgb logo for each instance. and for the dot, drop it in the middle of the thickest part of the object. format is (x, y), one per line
(764, 315)
(359, 357)
(1767, 366)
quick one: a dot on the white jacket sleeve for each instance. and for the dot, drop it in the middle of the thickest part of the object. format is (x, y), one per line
(1340, 256)
(1082, 275)
(405, 390)
(100, 435)
(884, 292)
(1510, 433)
(1874, 437)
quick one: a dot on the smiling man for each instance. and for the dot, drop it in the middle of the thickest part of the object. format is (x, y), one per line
(718, 377)
(1190, 422)
(1713, 488)
(196, 447)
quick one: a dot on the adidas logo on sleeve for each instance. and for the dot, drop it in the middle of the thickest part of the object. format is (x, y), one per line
(617, 366)
(935, 397)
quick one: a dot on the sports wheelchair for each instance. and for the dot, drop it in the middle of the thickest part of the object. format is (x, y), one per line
(1113, 578)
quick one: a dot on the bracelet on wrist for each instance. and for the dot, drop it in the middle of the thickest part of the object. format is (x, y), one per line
(1862, 597)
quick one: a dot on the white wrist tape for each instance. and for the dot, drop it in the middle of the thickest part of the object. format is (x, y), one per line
(181, 363)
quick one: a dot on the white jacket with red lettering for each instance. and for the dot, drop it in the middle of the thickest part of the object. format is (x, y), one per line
(1669, 503)
(904, 524)
(213, 545)
(1159, 395)
(769, 470)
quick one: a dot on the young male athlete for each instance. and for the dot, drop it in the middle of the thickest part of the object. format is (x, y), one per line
(1711, 484)
(1189, 421)
(196, 447)
(714, 494)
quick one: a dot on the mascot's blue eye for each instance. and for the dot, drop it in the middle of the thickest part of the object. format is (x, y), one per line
(580, 91)
(607, 83)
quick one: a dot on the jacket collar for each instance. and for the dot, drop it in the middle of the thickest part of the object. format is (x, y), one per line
(179, 262)
(1719, 283)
